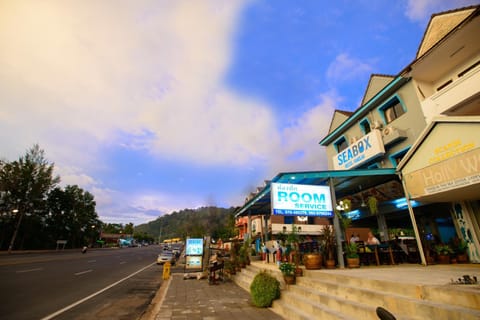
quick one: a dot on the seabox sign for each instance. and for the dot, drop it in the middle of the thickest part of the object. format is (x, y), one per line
(301, 200)
(366, 148)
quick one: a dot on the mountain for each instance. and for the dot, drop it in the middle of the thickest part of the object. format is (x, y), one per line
(194, 223)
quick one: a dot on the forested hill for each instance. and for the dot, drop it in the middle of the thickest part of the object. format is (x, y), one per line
(213, 221)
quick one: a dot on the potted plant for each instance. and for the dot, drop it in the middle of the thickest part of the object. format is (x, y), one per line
(372, 205)
(229, 266)
(288, 271)
(312, 259)
(351, 252)
(293, 240)
(443, 253)
(329, 246)
(461, 249)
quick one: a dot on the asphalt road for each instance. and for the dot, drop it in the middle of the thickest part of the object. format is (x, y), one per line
(101, 284)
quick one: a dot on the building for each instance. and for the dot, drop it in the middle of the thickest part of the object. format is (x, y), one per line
(377, 155)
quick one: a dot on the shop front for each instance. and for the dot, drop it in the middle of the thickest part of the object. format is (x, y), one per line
(442, 170)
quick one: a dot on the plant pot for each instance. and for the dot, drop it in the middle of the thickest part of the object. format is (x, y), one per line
(462, 258)
(330, 263)
(353, 262)
(443, 259)
(312, 261)
(289, 279)
(298, 272)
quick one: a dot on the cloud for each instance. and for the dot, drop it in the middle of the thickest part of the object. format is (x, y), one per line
(346, 68)
(301, 150)
(421, 10)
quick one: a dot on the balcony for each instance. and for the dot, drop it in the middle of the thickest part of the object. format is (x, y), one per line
(455, 98)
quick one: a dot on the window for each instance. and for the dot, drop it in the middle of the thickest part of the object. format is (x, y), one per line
(365, 126)
(392, 110)
(288, 219)
(398, 156)
(341, 144)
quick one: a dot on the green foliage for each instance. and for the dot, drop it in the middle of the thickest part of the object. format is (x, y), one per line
(219, 223)
(288, 269)
(264, 289)
(462, 247)
(443, 249)
(351, 250)
(329, 241)
(372, 205)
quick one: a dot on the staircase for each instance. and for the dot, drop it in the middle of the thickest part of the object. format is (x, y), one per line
(325, 295)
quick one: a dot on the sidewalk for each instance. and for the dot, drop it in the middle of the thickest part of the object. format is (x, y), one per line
(193, 299)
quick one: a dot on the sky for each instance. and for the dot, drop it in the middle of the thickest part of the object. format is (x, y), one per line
(155, 106)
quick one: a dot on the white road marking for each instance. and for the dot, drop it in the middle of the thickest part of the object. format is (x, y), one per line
(123, 262)
(53, 315)
(29, 270)
(91, 261)
(83, 272)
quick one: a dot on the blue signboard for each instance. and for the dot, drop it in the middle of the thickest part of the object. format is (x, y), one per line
(194, 247)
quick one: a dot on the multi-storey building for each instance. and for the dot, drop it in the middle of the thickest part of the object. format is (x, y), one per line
(443, 166)
(395, 130)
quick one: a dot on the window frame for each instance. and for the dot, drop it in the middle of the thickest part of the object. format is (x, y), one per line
(400, 153)
(363, 124)
(339, 141)
(392, 102)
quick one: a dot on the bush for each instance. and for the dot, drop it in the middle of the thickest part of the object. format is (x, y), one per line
(264, 289)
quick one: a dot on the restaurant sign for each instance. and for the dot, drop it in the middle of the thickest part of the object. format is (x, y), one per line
(301, 200)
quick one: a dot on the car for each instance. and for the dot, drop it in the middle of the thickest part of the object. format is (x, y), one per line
(166, 256)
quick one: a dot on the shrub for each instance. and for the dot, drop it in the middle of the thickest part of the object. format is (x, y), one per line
(264, 289)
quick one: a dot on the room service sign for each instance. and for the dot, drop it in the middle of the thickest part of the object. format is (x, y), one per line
(301, 200)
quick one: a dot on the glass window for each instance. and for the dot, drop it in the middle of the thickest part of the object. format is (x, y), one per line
(365, 126)
(288, 219)
(341, 144)
(392, 110)
(397, 157)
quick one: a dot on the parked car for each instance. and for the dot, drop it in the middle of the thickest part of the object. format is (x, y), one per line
(166, 256)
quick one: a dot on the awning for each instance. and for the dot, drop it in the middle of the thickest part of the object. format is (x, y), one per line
(346, 183)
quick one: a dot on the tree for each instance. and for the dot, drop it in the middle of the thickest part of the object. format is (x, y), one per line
(72, 216)
(24, 186)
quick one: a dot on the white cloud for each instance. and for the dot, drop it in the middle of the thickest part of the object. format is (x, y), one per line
(80, 77)
(346, 68)
(421, 10)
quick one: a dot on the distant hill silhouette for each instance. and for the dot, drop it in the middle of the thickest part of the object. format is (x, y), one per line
(205, 221)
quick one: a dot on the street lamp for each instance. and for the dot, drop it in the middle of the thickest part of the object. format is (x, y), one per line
(10, 247)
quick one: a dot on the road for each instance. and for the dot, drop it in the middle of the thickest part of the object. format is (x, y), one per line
(41, 286)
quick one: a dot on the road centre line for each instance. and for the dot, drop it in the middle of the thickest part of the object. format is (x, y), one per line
(53, 315)
(29, 270)
(91, 261)
(83, 272)
(123, 262)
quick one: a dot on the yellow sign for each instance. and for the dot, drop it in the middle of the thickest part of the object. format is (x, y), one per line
(449, 150)
(455, 172)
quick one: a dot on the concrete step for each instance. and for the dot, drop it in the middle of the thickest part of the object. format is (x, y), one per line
(405, 304)
(293, 307)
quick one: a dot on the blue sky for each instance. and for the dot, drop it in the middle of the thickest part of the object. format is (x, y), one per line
(157, 106)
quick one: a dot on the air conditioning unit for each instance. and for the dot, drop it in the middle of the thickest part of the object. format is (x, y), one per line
(391, 134)
(377, 125)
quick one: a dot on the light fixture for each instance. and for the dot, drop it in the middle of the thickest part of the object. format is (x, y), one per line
(342, 206)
